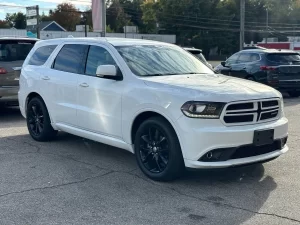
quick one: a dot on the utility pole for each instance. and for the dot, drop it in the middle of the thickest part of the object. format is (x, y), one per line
(38, 22)
(242, 24)
(85, 23)
(267, 25)
(103, 18)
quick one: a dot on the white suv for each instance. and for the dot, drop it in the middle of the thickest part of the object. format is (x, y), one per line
(152, 99)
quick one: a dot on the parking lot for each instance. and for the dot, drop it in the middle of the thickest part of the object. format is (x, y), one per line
(76, 181)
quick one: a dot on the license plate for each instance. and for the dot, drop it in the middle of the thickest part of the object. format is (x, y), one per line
(263, 137)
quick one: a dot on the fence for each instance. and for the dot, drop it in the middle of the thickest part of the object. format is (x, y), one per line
(63, 34)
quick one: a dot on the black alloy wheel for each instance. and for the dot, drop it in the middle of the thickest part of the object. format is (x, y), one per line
(154, 149)
(38, 121)
(157, 149)
(35, 119)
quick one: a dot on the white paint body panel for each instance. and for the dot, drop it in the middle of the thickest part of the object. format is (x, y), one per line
(105, 110)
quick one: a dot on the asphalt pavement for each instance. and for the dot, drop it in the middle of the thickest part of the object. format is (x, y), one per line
(76, 181)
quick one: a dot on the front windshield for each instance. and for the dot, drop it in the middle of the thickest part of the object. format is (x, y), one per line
(159, 60)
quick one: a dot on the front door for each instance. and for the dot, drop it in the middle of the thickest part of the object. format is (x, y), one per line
(229, 64)
(99, 99)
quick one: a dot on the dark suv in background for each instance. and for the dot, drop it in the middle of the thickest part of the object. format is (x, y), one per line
(13, 52)
(277, 68)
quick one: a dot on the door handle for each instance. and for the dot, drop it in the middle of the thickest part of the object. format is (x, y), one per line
(83, 85)
(46, 78)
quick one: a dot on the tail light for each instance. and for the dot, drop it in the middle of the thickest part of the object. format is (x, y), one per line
(267, 68)
(3, 71)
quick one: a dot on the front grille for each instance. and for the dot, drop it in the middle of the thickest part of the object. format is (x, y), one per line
(240, 113)
(242, 106)
(238, 119)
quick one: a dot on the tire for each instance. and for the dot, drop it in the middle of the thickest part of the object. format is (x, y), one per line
(38, 121)
(157, 150)
(294, 94)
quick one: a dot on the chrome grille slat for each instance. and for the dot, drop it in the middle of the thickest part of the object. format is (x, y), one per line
(261, 111)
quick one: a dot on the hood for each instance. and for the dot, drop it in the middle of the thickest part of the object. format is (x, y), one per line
(219, 87)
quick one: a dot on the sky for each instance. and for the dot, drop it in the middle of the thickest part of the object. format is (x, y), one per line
(12, 6)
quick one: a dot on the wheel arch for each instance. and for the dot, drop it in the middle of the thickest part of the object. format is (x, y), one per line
(33, 95)
(142, 116)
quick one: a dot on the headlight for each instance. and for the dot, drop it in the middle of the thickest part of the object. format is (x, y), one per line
(205, 110)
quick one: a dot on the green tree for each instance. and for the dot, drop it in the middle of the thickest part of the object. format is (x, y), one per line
(116, 18)
(45, 17)
(150, 9)
(17, 20)
(66, 15)
(4, 24)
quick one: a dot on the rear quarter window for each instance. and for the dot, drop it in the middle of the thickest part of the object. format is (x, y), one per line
(41, 55)
(15, 50)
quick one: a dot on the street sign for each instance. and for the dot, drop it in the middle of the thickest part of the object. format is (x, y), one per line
(31, 22)
(31, 12)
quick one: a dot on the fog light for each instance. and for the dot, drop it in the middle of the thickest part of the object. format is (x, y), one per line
(283, 142)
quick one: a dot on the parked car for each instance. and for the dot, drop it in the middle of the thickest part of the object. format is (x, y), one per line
(13, 52)
(199, 55)
(153, 99)
(279, 69)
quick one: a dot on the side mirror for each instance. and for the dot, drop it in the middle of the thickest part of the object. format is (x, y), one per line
(106, 70)
(223, 64)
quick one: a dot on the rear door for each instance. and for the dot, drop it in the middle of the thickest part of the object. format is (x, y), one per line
(12, 55)
(59, 83)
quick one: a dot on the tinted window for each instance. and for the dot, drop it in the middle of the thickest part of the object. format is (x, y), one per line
(244, 58)
(41, 55)
(14, 50)
(70, 58)
(232, 59)
(97, 56)
(284, 57)
(254, 57)
(160, 60)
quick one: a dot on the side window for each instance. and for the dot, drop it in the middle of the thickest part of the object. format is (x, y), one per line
(254, 57)
(41, 55)
(97, 56)
(244, 58)
(232, 59)
(70, 58)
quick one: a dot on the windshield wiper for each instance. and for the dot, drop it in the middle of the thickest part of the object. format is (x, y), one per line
(168, 74)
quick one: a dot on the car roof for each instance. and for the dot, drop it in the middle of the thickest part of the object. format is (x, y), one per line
(19, 38)
(267, 51)
(110, 40)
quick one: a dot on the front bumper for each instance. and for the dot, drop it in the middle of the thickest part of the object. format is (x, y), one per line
(199, 136)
